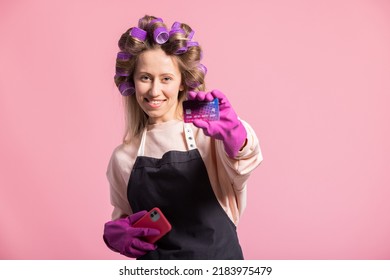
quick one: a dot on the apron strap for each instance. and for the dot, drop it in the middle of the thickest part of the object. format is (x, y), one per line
(141, 149)
(189, 136)
(191, 145)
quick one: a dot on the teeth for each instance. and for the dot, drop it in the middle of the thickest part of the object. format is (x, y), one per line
(155, 102)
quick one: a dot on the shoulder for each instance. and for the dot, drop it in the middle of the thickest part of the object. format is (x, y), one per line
(123, 157)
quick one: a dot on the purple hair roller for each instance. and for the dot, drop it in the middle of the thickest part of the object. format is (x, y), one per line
(120, 72)
(202, 68)
(173, 31)
(126, 88)
(138, 33)
(190, 35)
(176, 28)
(181, 50)
(185, 49)
(160, 35)
(155, 20)
(123, 56)
(193, 84)
(176, 25)
(192, 44)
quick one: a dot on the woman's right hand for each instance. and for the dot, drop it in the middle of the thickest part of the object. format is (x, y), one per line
(120, 236)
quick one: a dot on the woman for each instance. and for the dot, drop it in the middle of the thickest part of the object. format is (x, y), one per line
(195, 173)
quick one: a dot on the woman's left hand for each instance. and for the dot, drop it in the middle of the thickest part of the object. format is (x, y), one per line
(228, 128)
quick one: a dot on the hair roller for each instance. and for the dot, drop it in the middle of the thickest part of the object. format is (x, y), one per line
(122, 72)
(193, 54)
(124, 56)
(138, 33)
(173, 31)
(195, 76)
(130, 42)
(176, 25)
(157, 31)
(145, 21)
(126, 88)
(177, 43)
(190, 35)
(192, 44)
(202, 68)
(160, 35)
(155, 20)
(124, 64)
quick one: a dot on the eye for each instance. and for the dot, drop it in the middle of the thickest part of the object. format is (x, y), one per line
(145, 78)
(167, 79)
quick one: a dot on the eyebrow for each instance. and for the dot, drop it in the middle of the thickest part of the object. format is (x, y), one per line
(163, 74)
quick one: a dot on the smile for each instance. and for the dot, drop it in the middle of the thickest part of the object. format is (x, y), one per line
(154, 103)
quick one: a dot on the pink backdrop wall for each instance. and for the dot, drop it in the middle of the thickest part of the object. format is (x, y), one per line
(312, 77)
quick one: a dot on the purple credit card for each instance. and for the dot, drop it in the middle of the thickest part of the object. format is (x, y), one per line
(200, 110)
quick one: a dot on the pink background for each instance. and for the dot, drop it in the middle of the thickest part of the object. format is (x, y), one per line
(312, 77)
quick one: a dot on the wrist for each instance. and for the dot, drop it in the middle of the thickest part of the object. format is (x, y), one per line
(236, 141)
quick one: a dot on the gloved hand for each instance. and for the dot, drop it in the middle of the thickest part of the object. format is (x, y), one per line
(120, 236)
(228, 128)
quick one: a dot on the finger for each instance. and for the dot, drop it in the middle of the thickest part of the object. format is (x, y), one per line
(142, 245)
(201, 123)
(133, 252)
(144, 232)
(201, 95)
(136, 216)
(152, 232)
(192, 95)
(209, 97)
(217, 94)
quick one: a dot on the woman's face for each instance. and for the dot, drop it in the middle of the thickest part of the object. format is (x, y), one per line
(157, 81)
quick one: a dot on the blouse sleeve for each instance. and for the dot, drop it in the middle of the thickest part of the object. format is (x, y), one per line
(238, 169)
(118, 175)
(245, 162)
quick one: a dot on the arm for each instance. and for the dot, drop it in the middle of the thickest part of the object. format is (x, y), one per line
(237, 154)
(119, 234)
(117, 175)
(248, 158)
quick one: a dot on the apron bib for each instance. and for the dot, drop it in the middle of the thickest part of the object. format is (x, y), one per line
(179, 185)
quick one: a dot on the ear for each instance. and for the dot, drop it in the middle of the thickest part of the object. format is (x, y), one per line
(181, 88)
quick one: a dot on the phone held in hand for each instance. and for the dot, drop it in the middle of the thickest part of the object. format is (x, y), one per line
(200, 110)
(154, 219)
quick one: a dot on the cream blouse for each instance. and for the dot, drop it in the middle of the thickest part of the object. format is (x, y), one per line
(228, 177)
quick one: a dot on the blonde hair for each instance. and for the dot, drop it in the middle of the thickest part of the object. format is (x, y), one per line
(192, 72)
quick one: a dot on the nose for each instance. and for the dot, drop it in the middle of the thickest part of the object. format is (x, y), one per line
(155, 89)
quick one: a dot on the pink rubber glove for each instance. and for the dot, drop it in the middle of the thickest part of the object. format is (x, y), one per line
(228, 128)
(120, 236)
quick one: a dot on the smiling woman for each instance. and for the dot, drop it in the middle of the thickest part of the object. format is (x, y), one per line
(195, 173)
(179, 50)
(157, 82)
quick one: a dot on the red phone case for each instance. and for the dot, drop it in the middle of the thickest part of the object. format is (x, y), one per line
(154, 219)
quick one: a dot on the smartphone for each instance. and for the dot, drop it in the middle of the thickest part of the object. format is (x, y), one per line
(200, 110)
(154, 219)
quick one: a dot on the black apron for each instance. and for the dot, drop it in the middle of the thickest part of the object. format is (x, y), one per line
(179, 185)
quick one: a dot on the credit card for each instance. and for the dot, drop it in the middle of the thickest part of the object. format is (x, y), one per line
(200, 110)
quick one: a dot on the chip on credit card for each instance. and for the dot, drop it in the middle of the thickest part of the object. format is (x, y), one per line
(200, 110)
